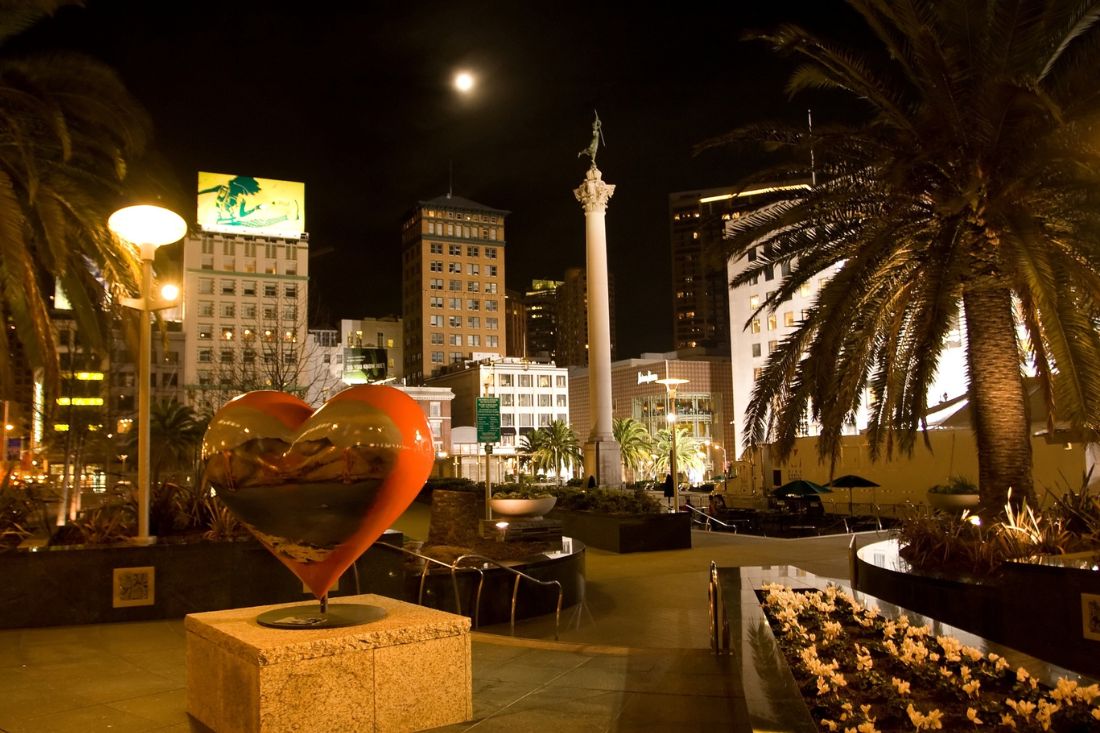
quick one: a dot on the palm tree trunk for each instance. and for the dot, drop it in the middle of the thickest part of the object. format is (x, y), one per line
(998, 400)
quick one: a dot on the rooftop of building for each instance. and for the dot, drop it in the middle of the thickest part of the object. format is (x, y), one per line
(450, 201)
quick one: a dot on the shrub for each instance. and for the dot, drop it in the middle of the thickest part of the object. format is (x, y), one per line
(520, 491)
(607, 501)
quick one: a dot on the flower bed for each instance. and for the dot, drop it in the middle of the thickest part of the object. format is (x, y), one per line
(862, 672)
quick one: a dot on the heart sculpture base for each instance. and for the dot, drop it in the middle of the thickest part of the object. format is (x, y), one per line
(314, 616)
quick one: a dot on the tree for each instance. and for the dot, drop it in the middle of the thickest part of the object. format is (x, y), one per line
(689, 456)
(635, 443)
(68, 134)
(972, 185)
(554, 446)
(175, 433)
(275, 353)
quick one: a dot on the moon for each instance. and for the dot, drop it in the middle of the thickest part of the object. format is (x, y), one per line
(464, 82)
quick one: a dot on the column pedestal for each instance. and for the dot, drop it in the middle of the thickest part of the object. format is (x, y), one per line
(603, 458)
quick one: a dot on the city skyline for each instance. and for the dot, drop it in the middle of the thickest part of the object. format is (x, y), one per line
(358, 106)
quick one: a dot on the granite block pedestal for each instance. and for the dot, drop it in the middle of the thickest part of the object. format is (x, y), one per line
(408, 671)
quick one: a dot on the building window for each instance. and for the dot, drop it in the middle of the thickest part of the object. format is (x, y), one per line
(473, 268)
(229, 310)
(454, 339)
(436, 248)
(544, 399)
(544, 381)
(473, 304)
(769, 272)
(291, 291)
(454, 304)
(454, 321)
(269, 313)
(473, 252)
(437, 337)
(435, 283)
(491, 324)
(772, 346)
(454, 268)
(435, 301)
(248, 356)
(270, 290)
(492, 270)
(249, 310)
(788, 318)
(505, 380)
(455, 285)
(526, 400)
(754, 302)
(561, 400)
(207, 247)
(206, 286)
(559, 380)
(490, 287)
(229, 287)
(226, 356)
(491, 252)
(206, 308)
(455, 250)
(756, 325)
(473, 286)
(492, 305)
(771, 322)
(473, 339)
(756, 349)
(248, 287)
(492, 341)
(507, 420)
(473, 322)
(227, 248)
(525, 380)
(435, 321)
(436, 266)
(206, 331)
(206, 356)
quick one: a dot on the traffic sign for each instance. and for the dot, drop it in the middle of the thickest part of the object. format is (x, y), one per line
(488, 419)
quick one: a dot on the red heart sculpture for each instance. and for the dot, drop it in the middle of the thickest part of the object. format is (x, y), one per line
(318, 488)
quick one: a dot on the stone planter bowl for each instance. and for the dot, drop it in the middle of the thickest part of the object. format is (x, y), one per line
(953, 502)
(526, 508)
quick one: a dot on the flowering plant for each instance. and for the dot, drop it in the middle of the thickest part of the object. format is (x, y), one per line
(861, 672)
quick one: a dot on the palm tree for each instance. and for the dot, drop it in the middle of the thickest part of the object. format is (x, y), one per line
(635, 443)
(175, 433)
(972, 186)
(689, 454)
(554, 446)
(68, 130)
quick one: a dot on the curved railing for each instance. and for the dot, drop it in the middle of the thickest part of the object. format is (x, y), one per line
(520, 575)
(698, 516)
(457, 567)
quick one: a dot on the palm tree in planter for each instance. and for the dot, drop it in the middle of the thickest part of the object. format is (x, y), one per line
(970, 187)
(554, 446)
(635, 443)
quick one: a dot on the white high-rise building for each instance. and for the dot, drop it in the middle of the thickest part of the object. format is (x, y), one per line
(245, 290)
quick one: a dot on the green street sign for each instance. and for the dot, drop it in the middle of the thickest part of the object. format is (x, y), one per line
(488, 419)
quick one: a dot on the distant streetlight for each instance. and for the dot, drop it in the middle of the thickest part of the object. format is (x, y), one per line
(671, 383)
(146, 227)
(464, 82)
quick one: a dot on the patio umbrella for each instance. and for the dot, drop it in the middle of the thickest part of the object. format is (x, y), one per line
(851, 481)
(800, 487)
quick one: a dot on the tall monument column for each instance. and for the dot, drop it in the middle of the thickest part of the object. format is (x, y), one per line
(601, 451)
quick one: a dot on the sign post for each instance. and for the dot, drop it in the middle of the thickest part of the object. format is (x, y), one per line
(488, 432)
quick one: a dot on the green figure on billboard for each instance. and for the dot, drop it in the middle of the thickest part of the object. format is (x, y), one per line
(232, 199)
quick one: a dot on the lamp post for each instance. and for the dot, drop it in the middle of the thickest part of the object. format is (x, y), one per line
(146, 227)
(671, 383)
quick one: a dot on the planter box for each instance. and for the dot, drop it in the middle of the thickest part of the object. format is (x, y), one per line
(533, 508)
(93, 585)
(627, 532)
(1037, 608)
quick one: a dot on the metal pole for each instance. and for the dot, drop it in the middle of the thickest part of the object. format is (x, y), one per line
(145, 356)
(672, 458)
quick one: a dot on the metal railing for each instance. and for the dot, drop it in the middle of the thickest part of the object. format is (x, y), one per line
(698, 516)
(515, 587)
(719, 623)
(457, 567)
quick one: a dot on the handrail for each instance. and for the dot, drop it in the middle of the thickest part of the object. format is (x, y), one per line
(719, 624)
(515, 587)
(424, 577)
(710, 519)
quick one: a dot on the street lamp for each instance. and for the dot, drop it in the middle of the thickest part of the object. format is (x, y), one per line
(671, 383)
(146, 227)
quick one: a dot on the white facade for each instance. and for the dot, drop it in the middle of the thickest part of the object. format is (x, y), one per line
(244, 306)
(753, 338)
(361, 335)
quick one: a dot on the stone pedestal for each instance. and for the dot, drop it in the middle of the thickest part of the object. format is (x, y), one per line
(603, 458)
(408, 671)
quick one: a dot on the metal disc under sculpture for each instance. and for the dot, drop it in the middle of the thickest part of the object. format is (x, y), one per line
(313, 617)
(318, 488)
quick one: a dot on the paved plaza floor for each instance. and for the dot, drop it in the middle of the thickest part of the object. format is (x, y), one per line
(633, 657)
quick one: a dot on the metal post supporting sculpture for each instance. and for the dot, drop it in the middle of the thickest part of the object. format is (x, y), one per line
(318, 488)
(601, 451)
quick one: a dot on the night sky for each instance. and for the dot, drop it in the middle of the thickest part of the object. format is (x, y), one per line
(358, 104)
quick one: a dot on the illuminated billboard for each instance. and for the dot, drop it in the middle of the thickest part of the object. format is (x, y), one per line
(246, 205)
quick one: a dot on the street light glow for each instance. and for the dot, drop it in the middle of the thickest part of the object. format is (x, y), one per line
(169, 292)
(144, 224)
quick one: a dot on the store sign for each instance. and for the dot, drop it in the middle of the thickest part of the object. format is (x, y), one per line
(246, 205)
(646, 377)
